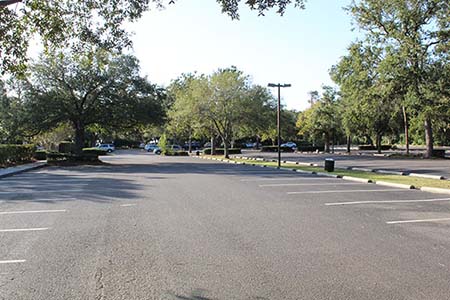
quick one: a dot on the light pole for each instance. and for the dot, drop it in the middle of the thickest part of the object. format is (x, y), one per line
(279, 86)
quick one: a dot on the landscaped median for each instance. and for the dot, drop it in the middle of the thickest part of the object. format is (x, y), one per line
(399, 181)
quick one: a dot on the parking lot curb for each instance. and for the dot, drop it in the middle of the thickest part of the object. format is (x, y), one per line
(356, 179)
(435, 190)
(390, 172)
(21, 169)
(329, 175)
(396, 185)
(426, 176)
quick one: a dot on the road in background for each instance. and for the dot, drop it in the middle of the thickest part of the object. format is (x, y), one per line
(439, 167)
(151, 227)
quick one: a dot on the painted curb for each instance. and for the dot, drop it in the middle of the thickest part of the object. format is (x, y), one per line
(356, 179)
(390, 172)
(396, 185)
(361, 169)
(426, 176)
(435, 190)
(329, 175)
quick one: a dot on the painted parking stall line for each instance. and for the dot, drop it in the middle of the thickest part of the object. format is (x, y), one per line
(305, 184)
(419, 221)
(128, 205)
(387, 201)
(15, 261)
(344, 191)
(32, 211)
(298, 178)
(24, 229)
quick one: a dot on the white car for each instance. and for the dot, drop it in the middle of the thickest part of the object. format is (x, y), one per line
(107, 147)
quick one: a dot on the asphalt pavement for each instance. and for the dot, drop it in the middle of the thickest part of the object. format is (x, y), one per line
(440, 167)
(151, 227)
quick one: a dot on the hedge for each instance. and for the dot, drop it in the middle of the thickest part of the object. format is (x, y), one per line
(177, 153)
(66, 147)
(40, 155)
(94, 151)
(53, 157)
(370, 147)
(221, 151)
(11, 154)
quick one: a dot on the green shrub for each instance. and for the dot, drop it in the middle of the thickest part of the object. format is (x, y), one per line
(221, 151)
(66, 147)
(177, 153)
(370, 147)
(11, 154)
(164, 145)
(40, 155)
(96, 151)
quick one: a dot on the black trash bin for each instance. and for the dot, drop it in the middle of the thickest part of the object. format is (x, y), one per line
(329, 165)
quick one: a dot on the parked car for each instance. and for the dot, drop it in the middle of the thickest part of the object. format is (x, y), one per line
(207, 145)
(150, 147)
(107, 147)
(142, 145)
(250, 145)
(290, 145)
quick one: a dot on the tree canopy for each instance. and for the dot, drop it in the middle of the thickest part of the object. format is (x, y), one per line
(95, 88)
(76, 23)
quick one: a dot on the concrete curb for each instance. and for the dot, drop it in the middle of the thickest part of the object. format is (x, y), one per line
(356, 179)
(390, 172)
(329, 175)
(435, 190)
(396, 185)
(426, 176)
(21, 169)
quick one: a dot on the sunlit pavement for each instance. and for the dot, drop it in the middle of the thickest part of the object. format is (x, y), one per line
(151, 227)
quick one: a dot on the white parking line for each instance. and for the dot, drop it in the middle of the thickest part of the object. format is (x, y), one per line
(23, 229)
(344, 191)
(31, 211)
(305, 184)
(12, 261)
(45, 191)
(386, 201)
(419, 221)
(288, 178)
(127, 205)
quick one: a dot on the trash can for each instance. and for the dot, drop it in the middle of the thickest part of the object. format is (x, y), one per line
(329, 165)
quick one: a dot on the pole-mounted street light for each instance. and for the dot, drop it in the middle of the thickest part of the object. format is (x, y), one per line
(279, 86)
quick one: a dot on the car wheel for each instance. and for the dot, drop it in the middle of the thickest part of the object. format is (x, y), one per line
(109, 151)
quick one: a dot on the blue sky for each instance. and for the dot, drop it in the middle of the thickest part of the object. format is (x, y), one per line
(297, 48)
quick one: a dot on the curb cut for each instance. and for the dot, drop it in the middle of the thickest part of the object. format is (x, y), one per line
(435, 190)
(397, 185)
(356, 179)
(24, 169)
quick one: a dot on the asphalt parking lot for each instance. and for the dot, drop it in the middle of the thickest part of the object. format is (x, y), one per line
(439, 167)
(150, 227)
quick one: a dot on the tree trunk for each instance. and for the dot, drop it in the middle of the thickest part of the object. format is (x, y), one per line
(213, 145)
(405, 120)
(349, 143)
(428, 138)
(225, 148)
(190, 144)
(378, 141)
(79, 137)
(327, 143)
(257, 142)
